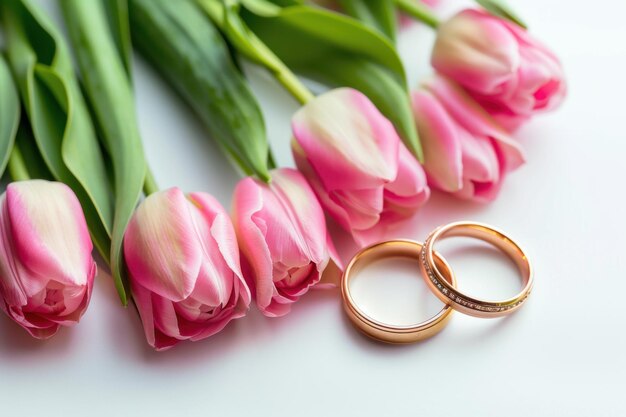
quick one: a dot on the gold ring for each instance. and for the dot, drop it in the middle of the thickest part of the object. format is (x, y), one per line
(383, 331)
(436, 277)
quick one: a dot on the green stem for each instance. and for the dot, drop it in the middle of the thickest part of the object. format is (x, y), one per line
(262, 54)
(418, 11)
(293, 84)
(150, 186)
(17, 166)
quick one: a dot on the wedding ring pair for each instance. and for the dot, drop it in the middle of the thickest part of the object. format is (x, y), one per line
(440, 279)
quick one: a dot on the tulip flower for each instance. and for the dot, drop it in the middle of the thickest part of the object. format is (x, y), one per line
(283, 238)
(46, 267)
(363, 175)
(183, 266)
(465, 151)
(509, 72)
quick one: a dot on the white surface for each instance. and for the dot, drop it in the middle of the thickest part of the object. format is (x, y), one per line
(561, 355)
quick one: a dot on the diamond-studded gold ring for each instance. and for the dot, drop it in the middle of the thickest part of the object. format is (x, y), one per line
(436, 277)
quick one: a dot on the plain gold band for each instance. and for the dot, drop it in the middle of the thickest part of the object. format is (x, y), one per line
(387, 332)
(435, 277)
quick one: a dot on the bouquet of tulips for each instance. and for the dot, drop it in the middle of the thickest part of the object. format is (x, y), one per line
(366, 152)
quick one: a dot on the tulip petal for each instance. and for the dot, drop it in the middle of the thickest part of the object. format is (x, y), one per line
(59, 248)
(218, 293)
(222, 230)
(362, 206)
(285, 220)
(215, 281)
(11, 289)
(161, 245)
(247, 201)
(306, 215)
(332, 127)
(143, 300)
(476, 50)
(440, 141)
(411, 179)
(480, 163)
(46, 268)
(500, 64)
(475, 120)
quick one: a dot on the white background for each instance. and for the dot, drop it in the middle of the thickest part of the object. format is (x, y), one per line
(561, 355)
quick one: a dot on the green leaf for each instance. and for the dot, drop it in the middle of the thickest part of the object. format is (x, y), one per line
(378, 14)
(57, 112)
(501, 9)
(119, 25)
(226, 16)
(325, 32)
(184, 45)
(107, 86)
(340, 51)
(9, 114)
(27, 147)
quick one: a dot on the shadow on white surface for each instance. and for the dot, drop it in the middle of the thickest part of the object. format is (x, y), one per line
(16, 342)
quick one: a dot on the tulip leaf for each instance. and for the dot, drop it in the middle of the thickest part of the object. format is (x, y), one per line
(184, 45)
(59, 117)
(226, 16)
(119, 24)
(27, 147)
(501, 9)
(316, 42)
(9, 113)
(378, 14)
(108, 89)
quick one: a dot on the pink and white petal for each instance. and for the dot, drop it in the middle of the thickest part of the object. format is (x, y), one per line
(161, 245)
(510, 153)
(143, 301)
(362, 206)
(440, 141)
(277, 308)
(37, 326)
(215, 277)
(477, 51)
(335, 211)
(247, 202)
(305, 212)
(332, 126)
(222, 229)
(480, 162)
(49, 231)
(411, 178)
(165, 317)
(365, 237)
(12, 292)
(461, 107)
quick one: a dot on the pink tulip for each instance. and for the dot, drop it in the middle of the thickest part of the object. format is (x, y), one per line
(465, 151)
(46, 268)
(283, 238)
(183, 264)
(511, 74)
(364, 176)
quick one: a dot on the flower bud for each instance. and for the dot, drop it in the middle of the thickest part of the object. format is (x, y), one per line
(46, 267)
(283, 238)
(465, 152)
(363, 175)
(509, 72)
(183, 265)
